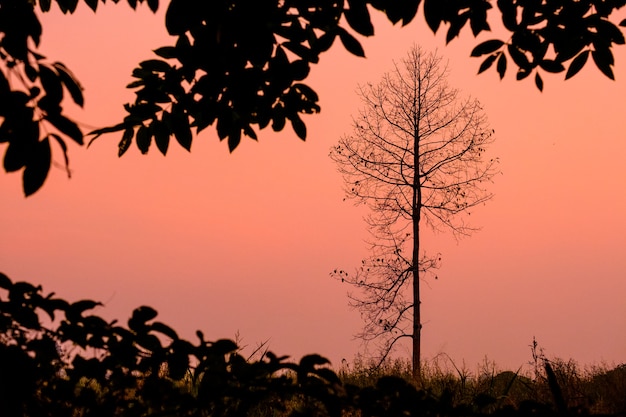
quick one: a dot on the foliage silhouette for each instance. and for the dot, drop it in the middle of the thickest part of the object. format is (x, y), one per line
(217, 73)
(80, 364)
(58, 358)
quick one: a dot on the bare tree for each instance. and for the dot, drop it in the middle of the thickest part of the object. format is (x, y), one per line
(416, 156)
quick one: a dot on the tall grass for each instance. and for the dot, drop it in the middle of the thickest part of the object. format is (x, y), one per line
(597, 389)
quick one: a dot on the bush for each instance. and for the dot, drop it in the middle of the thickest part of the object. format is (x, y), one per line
(59, 359)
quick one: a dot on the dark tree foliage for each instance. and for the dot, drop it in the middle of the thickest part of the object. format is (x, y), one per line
(240, 65)
(59, 359)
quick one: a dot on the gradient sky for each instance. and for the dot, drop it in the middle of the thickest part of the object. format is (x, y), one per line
(244, 242)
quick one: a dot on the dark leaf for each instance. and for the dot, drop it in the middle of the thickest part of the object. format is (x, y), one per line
(155, 65)
(144, 314)
(135, 84)
(527, 40)
(37, 168)
(478, 17)
(350, 43)
(37, 56)
(234, 138)
(31, 72)
(15, 156)
(248, 131)
(577, 64)
(51, 84)
(5, 282)
(27, 318)
(144, 138)
(607, 30)
(509, 14)
(358, 17)
(456, 25)
(522, 73)
(278, 118)
(34, 92)
(44, 5)
(153, 95)
(604, 59)
(75, 311)
(23, 139)
(324, 42)
(329, 375)
(433, 12)
(66, 126)
(302, 51)
(519, 57)
(149, 342)
(224, 347)
(408, 10)
(623, 23)
(538, 82)
(93, 4)
(167, 52)
(70, 82)
(161, 136)
(307, 91)
(401, 10)
(164, 329)
(551, 66)
(181, 129)
(34, 26)
(68, 5)
(177, 18)
(308, 362)
(298, 126)
(127, 139)
(63, 146)
(299, 69)
(140, 112)
(488, 62)
(153, 5)
(501, 66)
(487, 47)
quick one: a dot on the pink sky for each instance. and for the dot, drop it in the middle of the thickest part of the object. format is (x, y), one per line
(245, 242)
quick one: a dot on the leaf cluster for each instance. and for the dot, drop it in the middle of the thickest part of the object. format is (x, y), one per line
(31, 94)
(555, 37)
(32, 90)
(241, 65)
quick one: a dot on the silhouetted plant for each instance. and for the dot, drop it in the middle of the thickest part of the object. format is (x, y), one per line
(59, 359)
(80, 364)
(241, 65)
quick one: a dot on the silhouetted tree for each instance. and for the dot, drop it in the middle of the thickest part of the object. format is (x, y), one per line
(241, 64)
(416, 155)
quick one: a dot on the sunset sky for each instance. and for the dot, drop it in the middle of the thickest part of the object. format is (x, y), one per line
(243, 243)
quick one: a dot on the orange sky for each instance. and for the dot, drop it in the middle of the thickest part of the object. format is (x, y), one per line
(245, 242)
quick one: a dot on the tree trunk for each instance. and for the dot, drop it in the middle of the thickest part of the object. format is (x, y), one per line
(417, 321)
(416, 215)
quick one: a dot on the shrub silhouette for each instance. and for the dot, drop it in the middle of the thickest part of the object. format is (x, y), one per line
(60, 359)
(80, 364)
